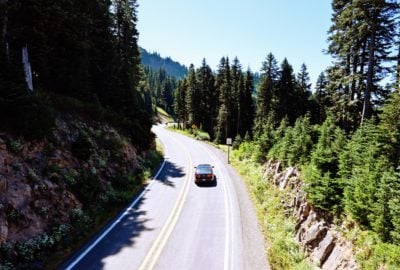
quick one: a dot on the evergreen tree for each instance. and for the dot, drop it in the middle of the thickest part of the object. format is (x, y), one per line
(324, 188)
(266, 91)
(193, 97)
(180, 108)
(303, 91)
(295, 146)
(286, 99)
(361, 167)
(234, 103)
(209, 100)
(321, 98)
(361, 39)
(223, 128)
(394, 208)
(390, 127)
(246, 105)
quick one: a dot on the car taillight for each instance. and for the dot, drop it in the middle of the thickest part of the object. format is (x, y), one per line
(209, 175)
(197, 175)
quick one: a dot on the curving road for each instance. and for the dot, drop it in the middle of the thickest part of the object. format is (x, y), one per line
(175, 224)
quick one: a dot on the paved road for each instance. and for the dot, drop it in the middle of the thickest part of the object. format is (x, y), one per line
(175, 224)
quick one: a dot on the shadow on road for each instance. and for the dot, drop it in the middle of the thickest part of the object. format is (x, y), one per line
(170, 171)
(126, 232)
(123, 235)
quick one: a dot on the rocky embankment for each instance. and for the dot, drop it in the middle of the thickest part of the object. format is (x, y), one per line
(321, 241)
(50, 188)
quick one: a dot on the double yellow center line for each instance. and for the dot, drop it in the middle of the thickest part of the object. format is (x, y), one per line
(158, 245)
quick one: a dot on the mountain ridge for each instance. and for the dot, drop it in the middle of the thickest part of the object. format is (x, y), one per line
(155, 62)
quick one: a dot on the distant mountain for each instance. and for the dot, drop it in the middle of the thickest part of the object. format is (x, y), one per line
(155, 62)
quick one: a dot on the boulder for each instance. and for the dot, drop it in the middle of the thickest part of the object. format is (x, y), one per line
(324, 245)
(314, 235)
(341, 258)
(285, 179)
(19, 194)
(324, 249)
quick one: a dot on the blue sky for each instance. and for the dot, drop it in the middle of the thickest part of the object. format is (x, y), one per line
(189, 30)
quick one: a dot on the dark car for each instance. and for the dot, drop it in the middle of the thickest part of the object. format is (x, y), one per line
(204, 174)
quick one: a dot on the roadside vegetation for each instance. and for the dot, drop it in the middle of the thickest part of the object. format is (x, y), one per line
(88, 78)
(283, 252)
(344, 136)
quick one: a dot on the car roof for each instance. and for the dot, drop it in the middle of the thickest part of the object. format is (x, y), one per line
(204, 165)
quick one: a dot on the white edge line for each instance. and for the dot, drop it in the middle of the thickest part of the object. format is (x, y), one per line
(77, 260)
(228, 250)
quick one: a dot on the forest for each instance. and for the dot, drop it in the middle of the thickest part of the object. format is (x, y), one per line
(345, 135)
(84, 52)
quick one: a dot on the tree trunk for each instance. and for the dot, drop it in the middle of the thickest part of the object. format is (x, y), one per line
(362, 65)
(366, 113)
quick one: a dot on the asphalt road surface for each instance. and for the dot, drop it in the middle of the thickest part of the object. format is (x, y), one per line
(176, 224)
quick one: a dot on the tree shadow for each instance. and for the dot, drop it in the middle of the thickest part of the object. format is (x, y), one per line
(170, 171)
(126, 232)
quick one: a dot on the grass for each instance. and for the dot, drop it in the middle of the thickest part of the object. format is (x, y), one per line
(194, 133)
(164, 116)
(283, 251)
(371, 252)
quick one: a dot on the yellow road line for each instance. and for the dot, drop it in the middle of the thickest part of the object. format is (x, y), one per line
(158, 245)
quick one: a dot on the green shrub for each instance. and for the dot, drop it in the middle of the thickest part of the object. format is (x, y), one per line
(202, 136)
(80, 221)
(14, 146)
(283, 252)
(32, 176)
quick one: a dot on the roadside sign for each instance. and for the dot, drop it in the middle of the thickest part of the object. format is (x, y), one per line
(228, 141)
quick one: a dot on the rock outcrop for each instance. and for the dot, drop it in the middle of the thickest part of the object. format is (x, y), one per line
(324, 245)
(40, 181)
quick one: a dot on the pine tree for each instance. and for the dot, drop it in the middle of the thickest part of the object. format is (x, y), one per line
(223, 128)
(394, 208)
(193, 97)
(321, 99)
(246, 105)
(286, 99)
(180, 108)
(361, 167)
(303, 91)
(381, 216)
(390, 127)
(321, 176)
(266, 91)
(234, 102)
(361, 40)
(209, 100)
(295, 146)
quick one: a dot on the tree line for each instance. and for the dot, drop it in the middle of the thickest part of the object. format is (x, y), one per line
(84, 50)
(345, 134)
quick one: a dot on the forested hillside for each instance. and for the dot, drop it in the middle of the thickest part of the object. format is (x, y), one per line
(156, 62)
(75, 138)
(82, 50)
(344, 135)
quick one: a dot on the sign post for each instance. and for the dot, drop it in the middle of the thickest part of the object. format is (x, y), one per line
(228, 142)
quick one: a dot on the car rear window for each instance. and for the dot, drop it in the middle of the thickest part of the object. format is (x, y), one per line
(204, 170)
